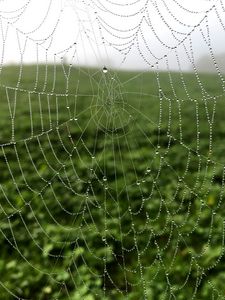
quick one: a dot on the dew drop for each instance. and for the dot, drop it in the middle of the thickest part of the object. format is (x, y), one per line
(105, 70)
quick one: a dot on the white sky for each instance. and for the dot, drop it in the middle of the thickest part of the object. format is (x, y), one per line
(44, 30)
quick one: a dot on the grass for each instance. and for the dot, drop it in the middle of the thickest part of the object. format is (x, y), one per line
(111, 184)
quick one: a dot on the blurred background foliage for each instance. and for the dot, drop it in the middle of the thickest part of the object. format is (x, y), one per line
(64, 228)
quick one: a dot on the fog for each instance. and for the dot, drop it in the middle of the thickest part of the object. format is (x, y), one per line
(125, 35)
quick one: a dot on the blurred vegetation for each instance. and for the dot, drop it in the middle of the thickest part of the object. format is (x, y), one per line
(154, 228)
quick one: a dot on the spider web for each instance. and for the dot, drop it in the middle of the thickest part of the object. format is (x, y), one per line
(112, 183)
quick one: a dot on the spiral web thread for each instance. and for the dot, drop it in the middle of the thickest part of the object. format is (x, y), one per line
(84, 125)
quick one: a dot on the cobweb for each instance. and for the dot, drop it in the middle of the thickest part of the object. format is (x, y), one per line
(112, 182)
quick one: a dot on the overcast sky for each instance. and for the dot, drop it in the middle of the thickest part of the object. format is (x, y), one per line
(130, 34)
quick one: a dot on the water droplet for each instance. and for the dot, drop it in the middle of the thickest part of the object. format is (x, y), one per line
(104, 178)
(138, 182)
(105, 70)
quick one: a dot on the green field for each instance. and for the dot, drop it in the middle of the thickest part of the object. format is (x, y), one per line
(112, 185)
